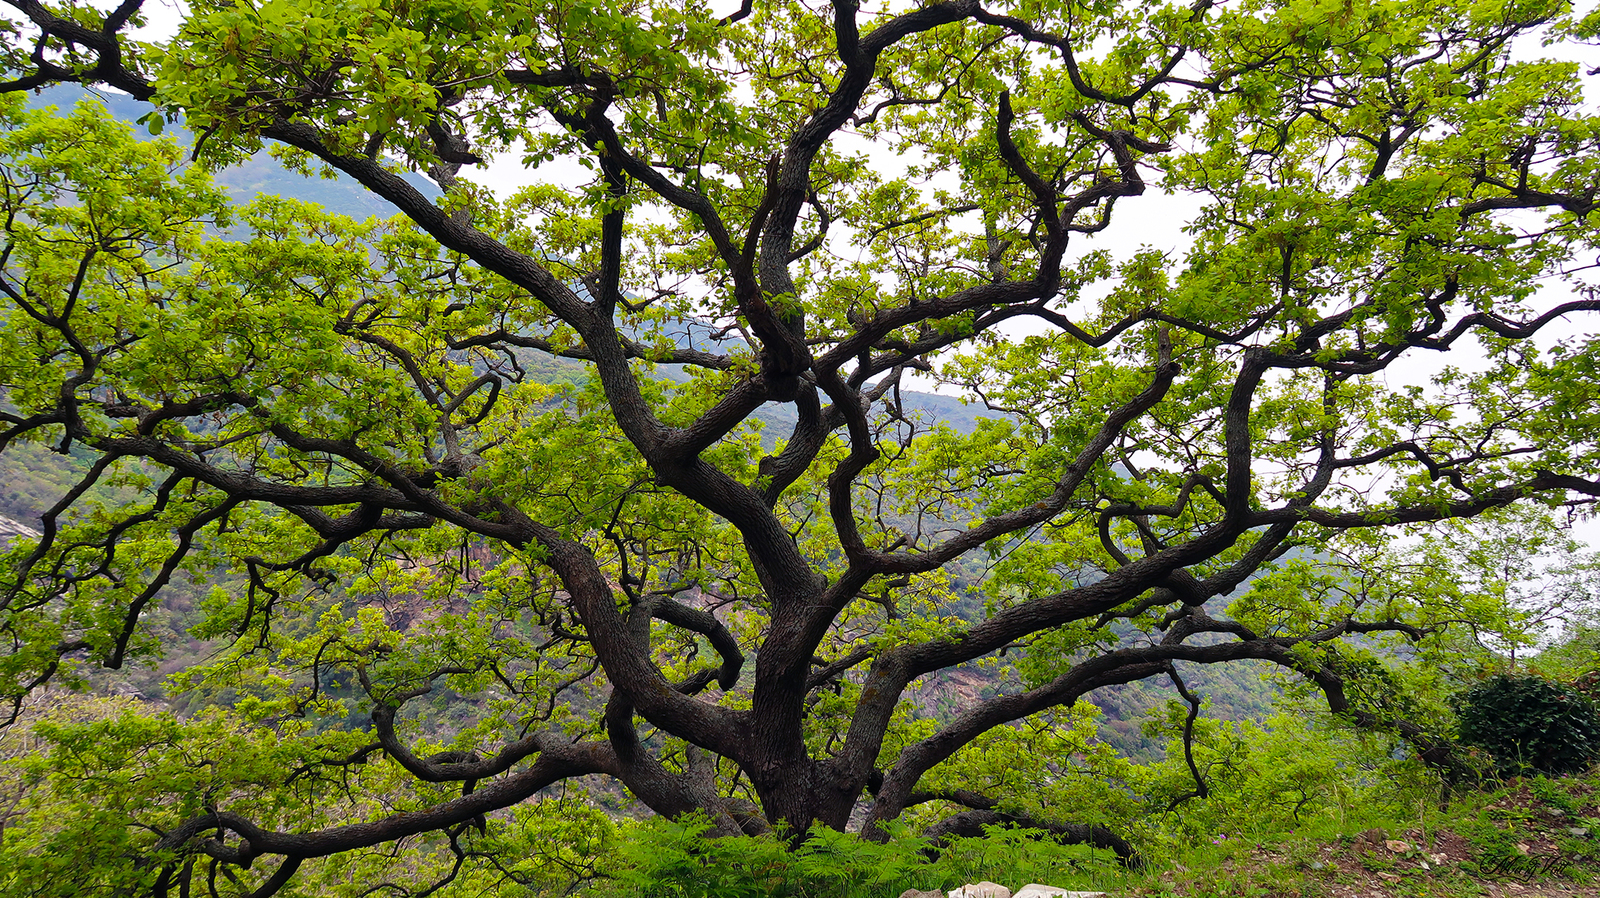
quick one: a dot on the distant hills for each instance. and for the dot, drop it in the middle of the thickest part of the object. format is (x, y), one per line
(260, 174)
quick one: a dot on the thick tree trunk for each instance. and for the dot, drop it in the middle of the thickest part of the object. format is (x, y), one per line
(799, 792)
(971, 823)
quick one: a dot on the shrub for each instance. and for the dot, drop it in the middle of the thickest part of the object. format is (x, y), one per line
(1528, 724)
(676, 859)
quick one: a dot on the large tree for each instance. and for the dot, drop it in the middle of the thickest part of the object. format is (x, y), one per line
(509, 446)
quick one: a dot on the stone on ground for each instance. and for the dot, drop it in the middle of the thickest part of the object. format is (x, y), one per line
(1035, 890)
(983, 889)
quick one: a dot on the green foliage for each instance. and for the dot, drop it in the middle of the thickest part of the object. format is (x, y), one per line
(89, 785)
(1292, 770)
(1529, 724)
(484, 497)
(676, 859)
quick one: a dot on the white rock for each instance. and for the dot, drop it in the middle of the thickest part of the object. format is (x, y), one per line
(983, 889)
(11, 530)
(1035, 890)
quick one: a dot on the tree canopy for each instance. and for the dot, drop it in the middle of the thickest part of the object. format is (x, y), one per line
(520, 450)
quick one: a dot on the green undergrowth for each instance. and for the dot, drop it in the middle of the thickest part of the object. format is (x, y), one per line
(666, 858)
(1541, 834)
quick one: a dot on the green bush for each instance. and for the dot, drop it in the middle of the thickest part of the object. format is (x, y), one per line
(1527, 724)
(676, 859)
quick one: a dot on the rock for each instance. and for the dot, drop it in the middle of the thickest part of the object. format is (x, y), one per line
(11, 531)
(1397, 846)
(1035, 890)
(1370, 840)
(985, 889)
(919, 893)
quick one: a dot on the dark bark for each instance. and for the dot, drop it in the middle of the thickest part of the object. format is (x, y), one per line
(972, 823)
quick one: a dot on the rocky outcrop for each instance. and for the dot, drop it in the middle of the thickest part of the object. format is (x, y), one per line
(11, 531)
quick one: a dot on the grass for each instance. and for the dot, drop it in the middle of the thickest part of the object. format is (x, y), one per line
(1539, 836)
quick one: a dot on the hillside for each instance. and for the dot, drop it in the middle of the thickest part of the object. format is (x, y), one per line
(1533, 838)
(259, 174)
